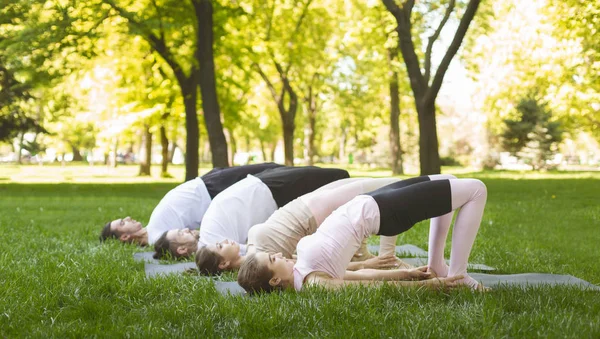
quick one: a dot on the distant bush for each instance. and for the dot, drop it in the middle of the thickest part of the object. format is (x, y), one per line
(532, 136)
(449, 161)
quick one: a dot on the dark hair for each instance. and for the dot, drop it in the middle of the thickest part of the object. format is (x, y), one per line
(108, 233)
(208, 261)
(254, 277)
(163, 248)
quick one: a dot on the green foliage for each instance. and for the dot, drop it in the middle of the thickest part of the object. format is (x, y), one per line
(449, 161)
(532, 136)
(547, 45)
(34, 147)
(13, 124)
(80, 135)
(577, 21)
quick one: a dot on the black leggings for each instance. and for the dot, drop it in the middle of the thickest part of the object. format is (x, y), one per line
(405, 203)
(289, 183)
(218, 179)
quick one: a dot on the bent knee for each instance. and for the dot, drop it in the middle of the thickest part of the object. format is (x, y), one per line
(441, 176)
(479, 188)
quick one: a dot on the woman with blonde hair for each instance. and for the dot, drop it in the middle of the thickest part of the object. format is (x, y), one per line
(322, 257)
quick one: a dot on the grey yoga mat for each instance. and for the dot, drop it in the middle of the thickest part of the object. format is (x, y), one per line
(407, 249)
(223, 287)
(145, 257)
(531, 279)
(491, 280)
(423, 261)
(156, 269)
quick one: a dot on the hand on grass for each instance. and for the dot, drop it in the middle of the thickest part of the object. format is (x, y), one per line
(420, 273)
(378, 263)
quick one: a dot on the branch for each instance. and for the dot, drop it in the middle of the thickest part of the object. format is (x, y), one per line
(267, 81)
(285, 88)
(299, 23)
(592, 120)
(160, 22)
(155, 42)
(407, 47)
(463, 26)
(270, 23)
(392, 7)
(297, 30)
(434, 37)
(408, 7)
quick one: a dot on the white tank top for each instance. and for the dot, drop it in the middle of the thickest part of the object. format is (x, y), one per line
(231, 214)
(184, 206)
(331, 248)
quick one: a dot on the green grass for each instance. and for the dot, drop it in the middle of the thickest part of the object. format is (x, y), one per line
(57, 280)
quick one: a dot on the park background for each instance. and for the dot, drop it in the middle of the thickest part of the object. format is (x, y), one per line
(106, 105)
(496, 84)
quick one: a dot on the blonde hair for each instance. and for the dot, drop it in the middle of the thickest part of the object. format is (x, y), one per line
(254, 277)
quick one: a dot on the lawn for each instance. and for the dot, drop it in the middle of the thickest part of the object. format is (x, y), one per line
(57, 280)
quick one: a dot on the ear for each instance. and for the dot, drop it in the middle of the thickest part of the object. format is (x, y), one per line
(125, 237)
(275, 281)
(182, 250)
(224, 264)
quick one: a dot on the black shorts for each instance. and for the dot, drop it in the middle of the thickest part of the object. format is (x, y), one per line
(289, 183)
(405, 203)
(218, 179)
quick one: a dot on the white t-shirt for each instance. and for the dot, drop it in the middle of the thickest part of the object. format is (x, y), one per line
(331, 248)
(184, 206)
(233, 211)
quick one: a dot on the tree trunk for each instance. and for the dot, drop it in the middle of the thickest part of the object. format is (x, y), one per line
(164, 143)
(311, 139)
(172, 150)
(424, 90)
(263, 151)
(208, 89)
(342, 151)
(428, 140)
(395, 150)
(309, 129)
(233, 145)
(76, 154)
(20, 148)
(308, 143)
(193, 132)
(147, 147)
(288, 143)
(273, 149)
(114, 156)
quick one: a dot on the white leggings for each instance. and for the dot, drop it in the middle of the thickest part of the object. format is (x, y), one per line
(470, 196)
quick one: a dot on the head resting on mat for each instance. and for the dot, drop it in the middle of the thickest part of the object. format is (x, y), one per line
(264, 272)
(177, 243)
(222, 256)
(126, 230)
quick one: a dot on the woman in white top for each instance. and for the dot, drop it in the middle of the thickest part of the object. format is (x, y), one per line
(322, 257)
